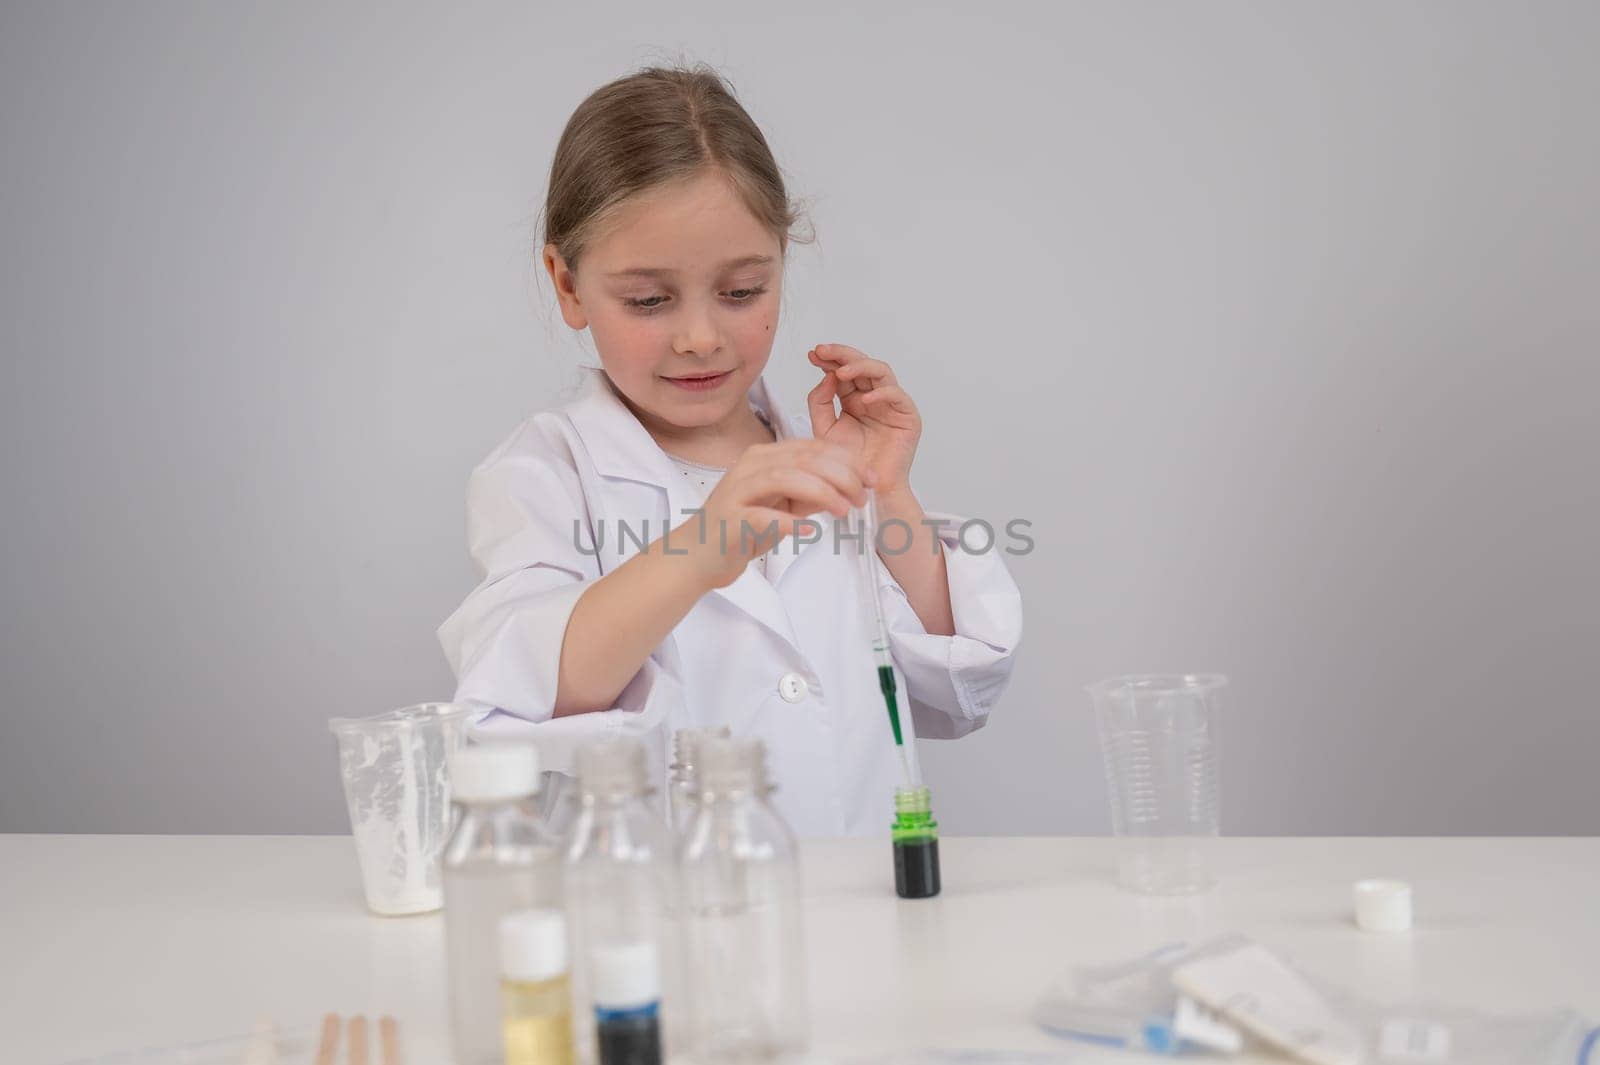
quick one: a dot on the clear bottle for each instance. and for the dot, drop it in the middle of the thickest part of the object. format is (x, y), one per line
(621, 886)
(535, 996)
(744, 930)
(683, 796)
(498, 859)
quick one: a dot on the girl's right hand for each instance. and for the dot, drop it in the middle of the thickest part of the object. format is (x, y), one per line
(762, 499)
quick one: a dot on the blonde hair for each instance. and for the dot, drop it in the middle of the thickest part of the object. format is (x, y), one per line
(656, 127)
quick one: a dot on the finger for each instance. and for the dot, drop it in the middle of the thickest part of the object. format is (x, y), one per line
(838, 354)
(842, 466)
(785, 453)
(328, 1045)
(846, 473)
(842, 356)
(867, 374)
(389, 1040)
(358, 1041)
(831, 358)
(807, 492)
(827, 357)
(820, 402)
(891, 397)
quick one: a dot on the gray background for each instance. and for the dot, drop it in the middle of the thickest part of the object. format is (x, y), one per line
(1280, 321)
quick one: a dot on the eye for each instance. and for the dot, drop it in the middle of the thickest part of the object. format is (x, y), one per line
(651, 304)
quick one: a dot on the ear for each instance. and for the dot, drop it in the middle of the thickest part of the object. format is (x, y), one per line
(566, 283)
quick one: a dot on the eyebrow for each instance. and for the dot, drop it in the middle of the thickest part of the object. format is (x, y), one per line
(661, 271)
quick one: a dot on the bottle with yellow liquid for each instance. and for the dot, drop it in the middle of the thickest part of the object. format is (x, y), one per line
(535, 996)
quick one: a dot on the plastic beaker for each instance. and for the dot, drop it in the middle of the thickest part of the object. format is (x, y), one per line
(1159, 737)
(396, 783)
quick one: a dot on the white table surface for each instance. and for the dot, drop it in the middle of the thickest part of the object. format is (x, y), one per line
(113, 943)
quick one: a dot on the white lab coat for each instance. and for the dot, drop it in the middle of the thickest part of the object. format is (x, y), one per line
(786, 657)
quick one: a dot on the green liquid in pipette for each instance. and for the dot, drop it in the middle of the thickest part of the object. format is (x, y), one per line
(886, 685)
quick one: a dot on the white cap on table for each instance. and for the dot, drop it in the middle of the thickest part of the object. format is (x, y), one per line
(1383, 905)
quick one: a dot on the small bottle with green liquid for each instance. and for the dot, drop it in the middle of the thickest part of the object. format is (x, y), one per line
(916, 844)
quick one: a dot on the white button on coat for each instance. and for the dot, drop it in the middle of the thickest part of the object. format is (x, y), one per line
(792, 687)
(544, 512)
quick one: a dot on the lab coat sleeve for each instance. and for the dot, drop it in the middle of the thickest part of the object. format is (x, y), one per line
(952, 682)
(530, 536)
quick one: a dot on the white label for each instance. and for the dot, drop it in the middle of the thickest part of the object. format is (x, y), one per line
(1199, 1025)
(1256, 991)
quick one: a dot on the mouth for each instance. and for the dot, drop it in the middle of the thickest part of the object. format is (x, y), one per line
(700, 382)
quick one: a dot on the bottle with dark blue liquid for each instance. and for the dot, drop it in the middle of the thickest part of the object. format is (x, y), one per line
(627, 1004)
(620, 882)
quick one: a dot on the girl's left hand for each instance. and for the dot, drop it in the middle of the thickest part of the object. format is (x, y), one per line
(877, 419)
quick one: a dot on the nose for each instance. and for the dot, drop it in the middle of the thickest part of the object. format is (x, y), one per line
(697, 332)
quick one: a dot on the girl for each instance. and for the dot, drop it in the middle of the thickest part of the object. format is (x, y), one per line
(666, 229)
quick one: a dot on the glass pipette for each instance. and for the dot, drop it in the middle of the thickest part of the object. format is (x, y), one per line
(880, 638)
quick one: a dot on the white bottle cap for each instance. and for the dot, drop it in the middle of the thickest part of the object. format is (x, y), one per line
(612, 766)
(533, 945)
(686, 744)
(494, 772)
(626, 976)
(1383, 905)
(733, 765)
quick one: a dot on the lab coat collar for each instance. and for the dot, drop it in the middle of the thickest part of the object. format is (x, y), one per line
(622, 449)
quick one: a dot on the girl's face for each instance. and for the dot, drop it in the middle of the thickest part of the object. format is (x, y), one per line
(681, 298)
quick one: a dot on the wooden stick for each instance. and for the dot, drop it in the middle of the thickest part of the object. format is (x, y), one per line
(263, 1048)
(329, 1044)
(358, 1041)
(389, 1039)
